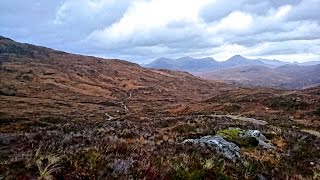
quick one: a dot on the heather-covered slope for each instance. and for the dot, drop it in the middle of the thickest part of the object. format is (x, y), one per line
(38, 76)
(66, 116)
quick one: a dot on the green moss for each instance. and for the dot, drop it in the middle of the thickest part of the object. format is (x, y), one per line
(234, 135)
(231, 133)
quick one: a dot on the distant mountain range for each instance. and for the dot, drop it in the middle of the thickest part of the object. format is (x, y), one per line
(248, 72)
(286, 77)
(208, 64)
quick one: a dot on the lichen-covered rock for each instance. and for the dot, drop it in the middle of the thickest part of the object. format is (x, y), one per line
(255, 133)
(263, 141)
(227, 141)
(227, 149)
(245, 138)
(236, 135)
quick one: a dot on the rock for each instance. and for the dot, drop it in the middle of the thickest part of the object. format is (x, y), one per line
(263, 141)
(255, 133)
(227, 149)
(265, 145)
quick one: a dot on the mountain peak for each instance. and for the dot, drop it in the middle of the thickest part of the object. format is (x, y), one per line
(185, 57)
(162, 58)
(237, 57)
(208, 58)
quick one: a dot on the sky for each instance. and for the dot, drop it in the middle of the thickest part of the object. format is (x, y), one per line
(143, 30)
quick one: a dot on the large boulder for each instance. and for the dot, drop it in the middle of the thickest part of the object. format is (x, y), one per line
(245, 138)
(228, 149)
(227, 141)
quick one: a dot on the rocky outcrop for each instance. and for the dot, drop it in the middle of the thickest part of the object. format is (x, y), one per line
(263, 141)
(228, 142)
(228, 149)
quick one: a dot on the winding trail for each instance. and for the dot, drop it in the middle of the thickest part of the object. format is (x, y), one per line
(252, 120)
(313, 132)
(110, 118)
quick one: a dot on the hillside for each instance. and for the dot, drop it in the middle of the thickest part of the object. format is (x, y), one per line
(188, 64)
(287, 76)
(67, 116)
(36, 73)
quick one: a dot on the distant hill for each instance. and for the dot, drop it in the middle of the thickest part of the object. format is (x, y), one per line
(208, 64)
(273, 62)
(310, 63)
(287, 76)
(238, 60)
(187, 63)
(31, 72)
(248, 72)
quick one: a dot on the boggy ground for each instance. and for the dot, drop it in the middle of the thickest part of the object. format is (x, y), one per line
(65, 116)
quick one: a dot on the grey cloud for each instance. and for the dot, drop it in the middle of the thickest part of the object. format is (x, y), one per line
(67, 24)
(73, 13)
(222, 8)
(306, 10)
(219, 9)
(24, 21)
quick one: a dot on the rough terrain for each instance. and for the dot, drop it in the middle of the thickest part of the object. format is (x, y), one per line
(66, 116)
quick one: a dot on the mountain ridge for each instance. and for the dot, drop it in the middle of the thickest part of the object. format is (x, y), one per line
(236, 70)
(212, 65)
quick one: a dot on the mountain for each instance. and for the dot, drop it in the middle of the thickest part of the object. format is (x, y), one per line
(188, 64)
(287, 76)
(246, 72)
(68, 116)
(273, 62)
(238, 60)
(196, 66)
(310, 63)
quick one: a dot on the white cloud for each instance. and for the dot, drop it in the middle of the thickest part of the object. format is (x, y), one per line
(147, 17)
(282, 12)
(142, 30)
(235, 22)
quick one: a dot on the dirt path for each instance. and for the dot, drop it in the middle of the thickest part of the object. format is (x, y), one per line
(313, 132)
(110, 118)
(252, 120)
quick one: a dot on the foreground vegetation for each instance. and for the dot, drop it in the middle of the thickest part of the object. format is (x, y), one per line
(125, 148)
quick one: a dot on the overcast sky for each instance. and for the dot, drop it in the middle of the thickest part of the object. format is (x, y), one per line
(142, 30)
